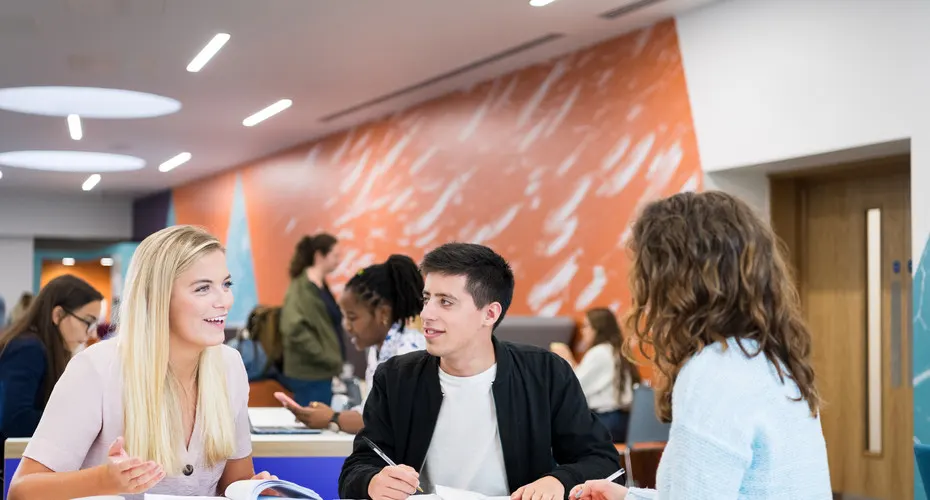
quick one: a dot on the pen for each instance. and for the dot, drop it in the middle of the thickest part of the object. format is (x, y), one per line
(384, 457)
(610, 478)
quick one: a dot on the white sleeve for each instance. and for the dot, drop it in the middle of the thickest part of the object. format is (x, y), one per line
(596, 370)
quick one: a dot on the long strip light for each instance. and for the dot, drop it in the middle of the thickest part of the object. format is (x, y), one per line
(207, 53)
(91, 182)
(74, 127)
(175, 162)
(267, 112)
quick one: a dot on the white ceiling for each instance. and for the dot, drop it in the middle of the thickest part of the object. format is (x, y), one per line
(326, 55)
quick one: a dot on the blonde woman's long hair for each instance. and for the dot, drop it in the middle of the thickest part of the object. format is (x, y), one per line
(151, 391)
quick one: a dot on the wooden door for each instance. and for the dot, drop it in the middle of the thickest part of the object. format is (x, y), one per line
(852, 247)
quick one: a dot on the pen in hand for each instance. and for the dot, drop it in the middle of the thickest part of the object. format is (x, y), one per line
(384, 457)
(609, 479)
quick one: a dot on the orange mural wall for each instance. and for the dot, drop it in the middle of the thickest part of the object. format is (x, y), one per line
(547, 165)
(92, 272)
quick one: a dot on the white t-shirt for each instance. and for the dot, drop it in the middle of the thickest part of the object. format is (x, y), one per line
(597, 374)
(465, 451)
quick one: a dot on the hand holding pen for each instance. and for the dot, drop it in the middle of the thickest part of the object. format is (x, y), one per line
(394, 482)
(601, 489)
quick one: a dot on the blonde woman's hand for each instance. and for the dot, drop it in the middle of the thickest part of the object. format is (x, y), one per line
(265, 476)
(128, 475)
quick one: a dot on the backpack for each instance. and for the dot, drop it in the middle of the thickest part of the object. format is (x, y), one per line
(260, 343)
(253, 355)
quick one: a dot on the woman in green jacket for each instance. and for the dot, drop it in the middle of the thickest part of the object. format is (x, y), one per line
(311, 323)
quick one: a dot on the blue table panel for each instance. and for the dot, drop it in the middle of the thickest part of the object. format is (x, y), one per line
(9, 467)
(320, 474)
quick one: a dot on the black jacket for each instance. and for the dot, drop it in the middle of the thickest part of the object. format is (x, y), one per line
(545, 425)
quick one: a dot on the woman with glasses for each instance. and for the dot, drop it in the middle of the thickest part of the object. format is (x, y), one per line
(36, 348)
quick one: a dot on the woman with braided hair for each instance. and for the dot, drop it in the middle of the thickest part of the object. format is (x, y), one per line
(381, 305)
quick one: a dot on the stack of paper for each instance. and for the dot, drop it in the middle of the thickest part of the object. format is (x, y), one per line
(447, 493)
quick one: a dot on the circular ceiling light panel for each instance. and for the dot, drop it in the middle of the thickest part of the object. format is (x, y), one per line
(87, 102)
(71, 161)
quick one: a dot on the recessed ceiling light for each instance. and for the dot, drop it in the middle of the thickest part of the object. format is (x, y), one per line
(89, 102)
(540, 3)
(91, 182)
(106, 261)
(71, 161)
(1, 175)
(67, 261)
(207, 53)
(267, 112)
(175, 162)
(74, 126)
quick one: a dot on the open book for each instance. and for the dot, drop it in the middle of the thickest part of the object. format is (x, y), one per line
(252, 490)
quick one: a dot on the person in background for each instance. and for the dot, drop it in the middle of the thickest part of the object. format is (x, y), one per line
(473, 412)
(35, 350)
(606, 376)
(311, 323)
(164, 405)
(715, 309)
(22, 305)
(380, 304)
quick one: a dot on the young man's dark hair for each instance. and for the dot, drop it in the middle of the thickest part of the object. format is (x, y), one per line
(488, 276)
(472, 412)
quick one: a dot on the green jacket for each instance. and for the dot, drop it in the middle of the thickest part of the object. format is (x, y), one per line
(311, 348)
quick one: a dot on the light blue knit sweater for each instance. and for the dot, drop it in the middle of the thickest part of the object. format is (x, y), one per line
(736, 434)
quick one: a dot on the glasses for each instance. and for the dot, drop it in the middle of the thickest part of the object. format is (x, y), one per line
(91, 325)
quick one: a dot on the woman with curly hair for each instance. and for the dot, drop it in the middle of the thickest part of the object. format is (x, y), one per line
(716, 311)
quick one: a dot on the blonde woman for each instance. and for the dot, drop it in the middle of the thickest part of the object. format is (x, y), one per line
(161, 408)
(22, 305)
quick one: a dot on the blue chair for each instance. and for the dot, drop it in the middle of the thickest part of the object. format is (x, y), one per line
(922, 454)
(644, 427)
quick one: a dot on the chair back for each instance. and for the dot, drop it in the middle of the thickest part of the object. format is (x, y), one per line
(644, 426)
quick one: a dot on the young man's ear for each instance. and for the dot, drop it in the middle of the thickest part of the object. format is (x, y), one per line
(492, 313)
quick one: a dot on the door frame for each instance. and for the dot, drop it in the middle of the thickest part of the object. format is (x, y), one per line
(785, 200)
(787, 211)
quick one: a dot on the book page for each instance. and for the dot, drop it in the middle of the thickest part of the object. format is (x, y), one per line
(447, 493)
(153, 496)
(243, 490)
(252, 489)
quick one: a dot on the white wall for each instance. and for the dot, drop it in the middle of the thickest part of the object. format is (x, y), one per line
(25, 216)
(775, 80)
(58, 216)
(15, 269)
(750, 184)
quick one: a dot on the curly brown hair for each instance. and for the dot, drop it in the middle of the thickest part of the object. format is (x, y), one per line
(707, 269)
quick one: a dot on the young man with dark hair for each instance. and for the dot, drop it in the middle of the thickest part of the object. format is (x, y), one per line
(473, 412)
